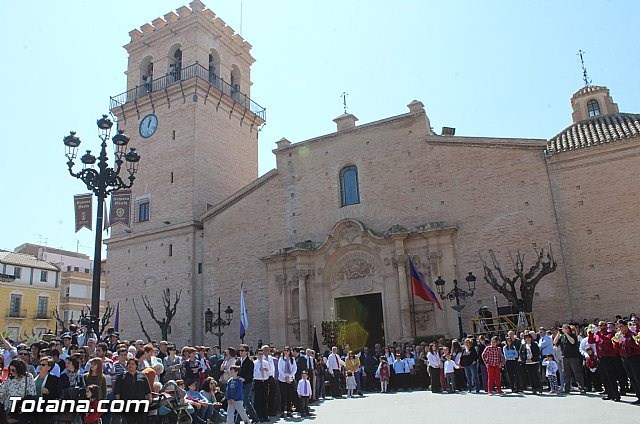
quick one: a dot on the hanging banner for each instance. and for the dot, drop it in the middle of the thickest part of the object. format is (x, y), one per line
(83, 208)
(120, 208)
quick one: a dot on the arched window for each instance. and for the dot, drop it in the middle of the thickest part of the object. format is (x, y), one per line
(235, 80)
(593, 107)
(146, 75)
(349, 191)
(175, 62)
(214, 67)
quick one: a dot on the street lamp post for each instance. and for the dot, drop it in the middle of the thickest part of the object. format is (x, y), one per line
(102, 182)
(457, 294)
(218, 322)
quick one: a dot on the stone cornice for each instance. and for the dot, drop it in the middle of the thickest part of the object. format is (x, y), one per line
(239, 195)
(125, 239)
(489, 142)
(359, 128)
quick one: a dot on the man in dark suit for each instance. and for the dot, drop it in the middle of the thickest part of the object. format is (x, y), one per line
(246, 375)
(301, 364)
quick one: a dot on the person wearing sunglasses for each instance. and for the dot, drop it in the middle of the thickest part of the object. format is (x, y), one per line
(47, 386)
(25, 355)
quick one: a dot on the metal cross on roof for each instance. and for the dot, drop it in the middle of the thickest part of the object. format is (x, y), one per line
(344, 100)
(586, 79)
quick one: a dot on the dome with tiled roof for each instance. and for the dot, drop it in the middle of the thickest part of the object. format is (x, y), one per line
(596, 131)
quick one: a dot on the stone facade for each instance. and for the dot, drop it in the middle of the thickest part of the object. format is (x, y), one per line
(444, 201)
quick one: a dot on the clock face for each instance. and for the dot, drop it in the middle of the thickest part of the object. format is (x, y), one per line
(148, 125)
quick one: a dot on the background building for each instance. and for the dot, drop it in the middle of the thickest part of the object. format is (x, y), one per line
(328, 232)
(75, 279)
(29, 293)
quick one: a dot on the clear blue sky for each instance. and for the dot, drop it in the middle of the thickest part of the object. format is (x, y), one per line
(494, 68)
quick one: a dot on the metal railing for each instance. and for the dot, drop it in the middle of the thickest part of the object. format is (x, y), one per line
(174, 77)
(42, 315)
(17, 313)
(503, 324)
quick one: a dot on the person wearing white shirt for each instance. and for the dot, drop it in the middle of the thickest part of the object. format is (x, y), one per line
(311, 369)
(8, 351)
(261, 376)
(334, 368)
(304, 391)
(286, 376)
(434, 361)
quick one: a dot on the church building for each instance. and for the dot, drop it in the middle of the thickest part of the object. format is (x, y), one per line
(328, 234)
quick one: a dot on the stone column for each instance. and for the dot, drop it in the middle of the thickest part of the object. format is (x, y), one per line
(405, 309)
(302, 301)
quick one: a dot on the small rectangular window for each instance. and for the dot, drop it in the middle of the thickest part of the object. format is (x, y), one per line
(76, 269)
(43, 276)
(171, 250)
(200, 268)
(172, 178)
(15, 305)
(143, 211)
(43, 303)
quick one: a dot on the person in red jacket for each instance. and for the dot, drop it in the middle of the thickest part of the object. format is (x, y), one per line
(608, 355)
(93, 416)
(629, 351)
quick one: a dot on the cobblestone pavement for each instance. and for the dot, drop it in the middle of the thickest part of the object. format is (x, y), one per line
(406, 407)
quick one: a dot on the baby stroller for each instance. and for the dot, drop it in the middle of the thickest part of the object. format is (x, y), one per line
(170, 406)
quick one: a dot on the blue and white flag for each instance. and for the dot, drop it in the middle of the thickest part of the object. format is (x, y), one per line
(244, 322)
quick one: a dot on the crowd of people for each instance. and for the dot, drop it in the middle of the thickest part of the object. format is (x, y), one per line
(269, 382)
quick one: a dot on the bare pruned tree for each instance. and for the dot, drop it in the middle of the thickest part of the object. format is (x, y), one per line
(527, 279)
(59, 321)
(104, 320)
(170, 307)
(141, 324)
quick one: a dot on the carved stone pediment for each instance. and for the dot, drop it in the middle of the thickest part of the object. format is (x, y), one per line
(354, 269)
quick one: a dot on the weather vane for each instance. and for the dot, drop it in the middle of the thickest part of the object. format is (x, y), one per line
(586, 79)
(344, 100)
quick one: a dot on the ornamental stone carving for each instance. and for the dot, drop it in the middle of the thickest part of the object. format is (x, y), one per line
(350, 233)
(354, 273)
(354, 269)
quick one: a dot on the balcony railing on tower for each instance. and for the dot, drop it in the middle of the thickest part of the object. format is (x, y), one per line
(193, 71)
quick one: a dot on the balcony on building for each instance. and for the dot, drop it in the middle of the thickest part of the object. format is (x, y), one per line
(40, 315)
(214, 88)
(17, 313)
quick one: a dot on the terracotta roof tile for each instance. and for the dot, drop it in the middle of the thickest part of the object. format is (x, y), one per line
(30, 261)
(595, 131)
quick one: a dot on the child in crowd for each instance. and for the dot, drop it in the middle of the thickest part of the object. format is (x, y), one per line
(552, 369)
(234, 397)
(93, 416)
(304, 391)
(203, 408)
(351, 383)
(383, 374)
(449, 371)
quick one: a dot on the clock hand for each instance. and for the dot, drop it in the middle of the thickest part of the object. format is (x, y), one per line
(149, 123)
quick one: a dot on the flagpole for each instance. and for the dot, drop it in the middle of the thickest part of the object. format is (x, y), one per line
(242, 309)
(413, 302)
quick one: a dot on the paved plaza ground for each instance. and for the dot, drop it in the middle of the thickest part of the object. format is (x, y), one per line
(426, 407)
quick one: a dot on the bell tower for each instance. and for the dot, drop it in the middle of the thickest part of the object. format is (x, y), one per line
(187, 109)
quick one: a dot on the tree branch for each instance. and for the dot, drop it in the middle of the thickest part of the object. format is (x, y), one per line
(147, 304)
(141, 324)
